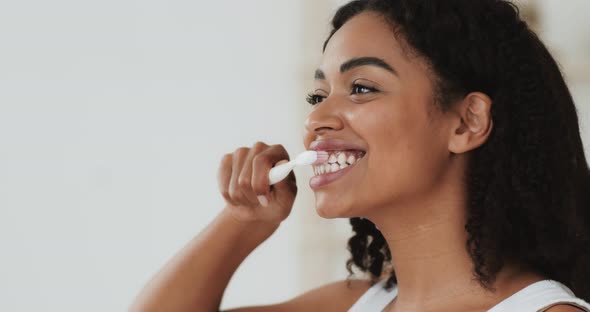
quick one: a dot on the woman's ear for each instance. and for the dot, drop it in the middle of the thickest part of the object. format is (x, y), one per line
(472, 123)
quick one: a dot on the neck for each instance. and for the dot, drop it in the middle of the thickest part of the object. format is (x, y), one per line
(427, 240)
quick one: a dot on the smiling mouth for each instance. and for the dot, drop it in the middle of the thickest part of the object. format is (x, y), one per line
(337, 161)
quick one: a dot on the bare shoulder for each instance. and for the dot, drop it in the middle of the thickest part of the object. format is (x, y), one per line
(335, 296)
(564, 308)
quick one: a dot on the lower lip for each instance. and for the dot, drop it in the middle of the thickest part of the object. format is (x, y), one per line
(320, 180)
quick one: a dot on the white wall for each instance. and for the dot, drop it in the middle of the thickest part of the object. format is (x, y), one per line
(566, 30)
(113, 118)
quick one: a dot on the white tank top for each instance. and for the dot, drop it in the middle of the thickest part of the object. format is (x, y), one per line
(536, 297)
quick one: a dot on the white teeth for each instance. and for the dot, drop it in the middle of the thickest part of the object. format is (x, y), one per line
(334, 167)
(336, 161)
(341, 158)
(351, 159)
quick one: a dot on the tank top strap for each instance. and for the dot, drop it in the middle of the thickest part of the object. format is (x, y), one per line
(536, 297)
(539, 297)
(375, 299)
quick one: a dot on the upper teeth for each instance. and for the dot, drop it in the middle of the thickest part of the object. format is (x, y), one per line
(338, 160)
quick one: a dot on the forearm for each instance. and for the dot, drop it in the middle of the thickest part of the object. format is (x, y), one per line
(195, 278)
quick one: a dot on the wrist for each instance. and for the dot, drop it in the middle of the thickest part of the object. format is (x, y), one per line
(248, 225)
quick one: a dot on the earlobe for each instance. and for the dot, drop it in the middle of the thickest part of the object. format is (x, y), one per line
(474, 118)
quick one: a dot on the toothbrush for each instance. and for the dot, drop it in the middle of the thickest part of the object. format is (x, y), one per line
(306, 158)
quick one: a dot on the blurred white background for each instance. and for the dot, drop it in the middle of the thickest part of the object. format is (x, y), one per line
(114, 116)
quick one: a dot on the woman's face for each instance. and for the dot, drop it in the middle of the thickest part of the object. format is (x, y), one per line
(382, 103)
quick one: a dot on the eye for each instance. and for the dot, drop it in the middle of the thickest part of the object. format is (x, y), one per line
(360, 89)
(314, 99)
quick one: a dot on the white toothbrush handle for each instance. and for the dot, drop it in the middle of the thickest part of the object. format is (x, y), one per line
(280, 172)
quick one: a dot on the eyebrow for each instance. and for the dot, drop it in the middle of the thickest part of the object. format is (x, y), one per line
(356, 62)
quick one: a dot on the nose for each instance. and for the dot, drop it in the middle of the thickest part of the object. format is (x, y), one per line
(322, 119)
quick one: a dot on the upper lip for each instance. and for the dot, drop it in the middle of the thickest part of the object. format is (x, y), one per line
(334, 145)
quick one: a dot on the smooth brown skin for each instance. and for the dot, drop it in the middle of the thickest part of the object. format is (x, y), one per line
(409, 184)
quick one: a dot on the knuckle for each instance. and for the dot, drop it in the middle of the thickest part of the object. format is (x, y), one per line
(241, 150)
(260, 145)
(226, 159)
(243, 182)
(276, 146)
(280, 150)
(279, 147)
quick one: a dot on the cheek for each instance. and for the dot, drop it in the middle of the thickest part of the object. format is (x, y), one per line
(405, 154)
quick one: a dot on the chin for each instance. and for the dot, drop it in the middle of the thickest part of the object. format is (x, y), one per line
(333, 210)
(326, 214)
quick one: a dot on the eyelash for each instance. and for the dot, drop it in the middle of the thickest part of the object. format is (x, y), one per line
(314, 99)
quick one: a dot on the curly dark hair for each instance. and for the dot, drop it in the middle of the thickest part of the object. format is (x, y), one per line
(528, 185)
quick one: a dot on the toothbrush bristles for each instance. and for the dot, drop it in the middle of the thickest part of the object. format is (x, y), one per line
(321, 158)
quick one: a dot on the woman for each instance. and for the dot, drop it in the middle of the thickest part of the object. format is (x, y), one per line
(467, 188)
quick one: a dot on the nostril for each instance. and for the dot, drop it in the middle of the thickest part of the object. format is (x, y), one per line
(321, 130)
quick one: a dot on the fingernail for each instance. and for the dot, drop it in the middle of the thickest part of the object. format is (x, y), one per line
(263, 200)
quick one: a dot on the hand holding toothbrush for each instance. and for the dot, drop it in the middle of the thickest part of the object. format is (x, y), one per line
(245, 178)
